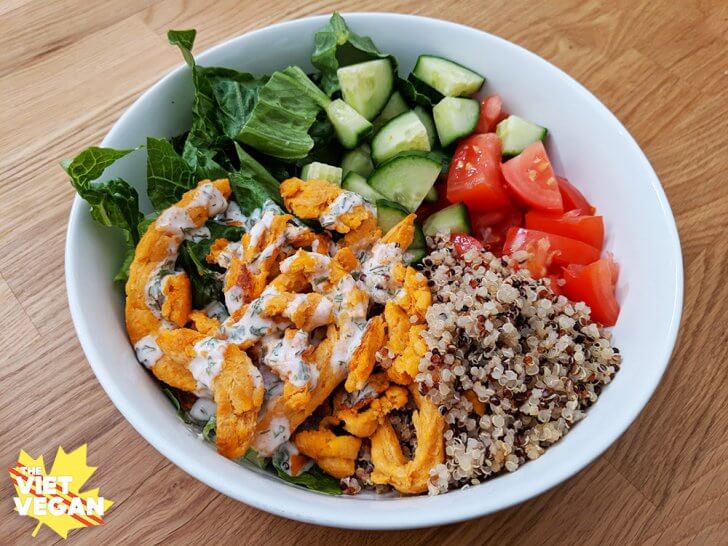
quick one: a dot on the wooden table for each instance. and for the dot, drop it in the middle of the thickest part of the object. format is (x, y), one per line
(69, 68)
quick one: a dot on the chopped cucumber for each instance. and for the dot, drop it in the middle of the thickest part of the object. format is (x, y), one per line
(395, 106)
(428, 122)
(406, 178)
(358, 160)
(351, 127)
(447, 77)
(401, 134)
(367, 86)
(455, 118)
(358, 184)
(452, 219)
(517, 134)
(321, 171)
(432, 195)
(389, 214)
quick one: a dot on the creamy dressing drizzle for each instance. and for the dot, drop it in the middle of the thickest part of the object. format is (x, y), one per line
(232, 216)
(344, 203)
(278, 432)
(285, 358)
(147, 351)
(209, 357)
(217, 311)
(251, 327)
(282, 459)
(197, 234)
(176, 222)
(377, 276)
(203, 409)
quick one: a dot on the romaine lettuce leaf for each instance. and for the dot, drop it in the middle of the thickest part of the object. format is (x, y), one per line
(314, 479)
(114, 203)
(335, 45)
(284, 112)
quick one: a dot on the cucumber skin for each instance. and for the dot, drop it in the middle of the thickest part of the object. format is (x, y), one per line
(411, 154)
(514, 152)
(342, 131)
(391, 88)
(353, 181)
(375, 156)
(430, 92)
(433, 222)
(432, 89)
(466, 132)
(358, 161)
(429, 123)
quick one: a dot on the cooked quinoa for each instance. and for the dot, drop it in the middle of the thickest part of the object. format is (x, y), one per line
(511, 365)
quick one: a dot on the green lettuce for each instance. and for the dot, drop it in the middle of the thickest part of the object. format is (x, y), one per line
(411, 94)
(335, 45)
(271, 114)
(114, 203)
(206, 279)
(314, 479)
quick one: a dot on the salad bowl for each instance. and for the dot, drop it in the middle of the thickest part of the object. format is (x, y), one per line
(585, 140)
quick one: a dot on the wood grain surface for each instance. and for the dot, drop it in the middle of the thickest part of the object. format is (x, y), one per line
(69, 68)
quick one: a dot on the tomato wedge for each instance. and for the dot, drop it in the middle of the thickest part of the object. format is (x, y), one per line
(589, 229)
(475, 176)
(491, 114)
(594, 284)
(491, 227)
(463, 243)
(565, 250)
(531, 178)
(572, 198)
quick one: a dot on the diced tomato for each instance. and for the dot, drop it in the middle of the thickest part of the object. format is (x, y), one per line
(463, 242)
(531, 178)
(572, 198)
(491, 227)
(491, 114)
(594, 284)
(589, 229)
(475, 176)
(565, 250)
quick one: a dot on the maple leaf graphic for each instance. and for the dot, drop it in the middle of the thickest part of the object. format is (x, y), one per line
(71, 464)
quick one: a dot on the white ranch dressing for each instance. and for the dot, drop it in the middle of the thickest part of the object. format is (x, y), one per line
(251, 327)
(278, 432)
(283, 455)
(232, 216)
(175, 220)
(344, 203)
(205, 367)
(147, 351)
(285, 358)
(377, 276)
(203, 409)
(233, 298)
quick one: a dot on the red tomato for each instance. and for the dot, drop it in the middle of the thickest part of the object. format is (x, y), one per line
(491, 227)
(491, 114)
(594, 285)
(573, 199)
(589, 229)
(475, 176)
(565, 250)
(463, 242)
(531, 178)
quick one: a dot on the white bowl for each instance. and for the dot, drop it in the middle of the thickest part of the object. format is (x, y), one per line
(587, 144)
